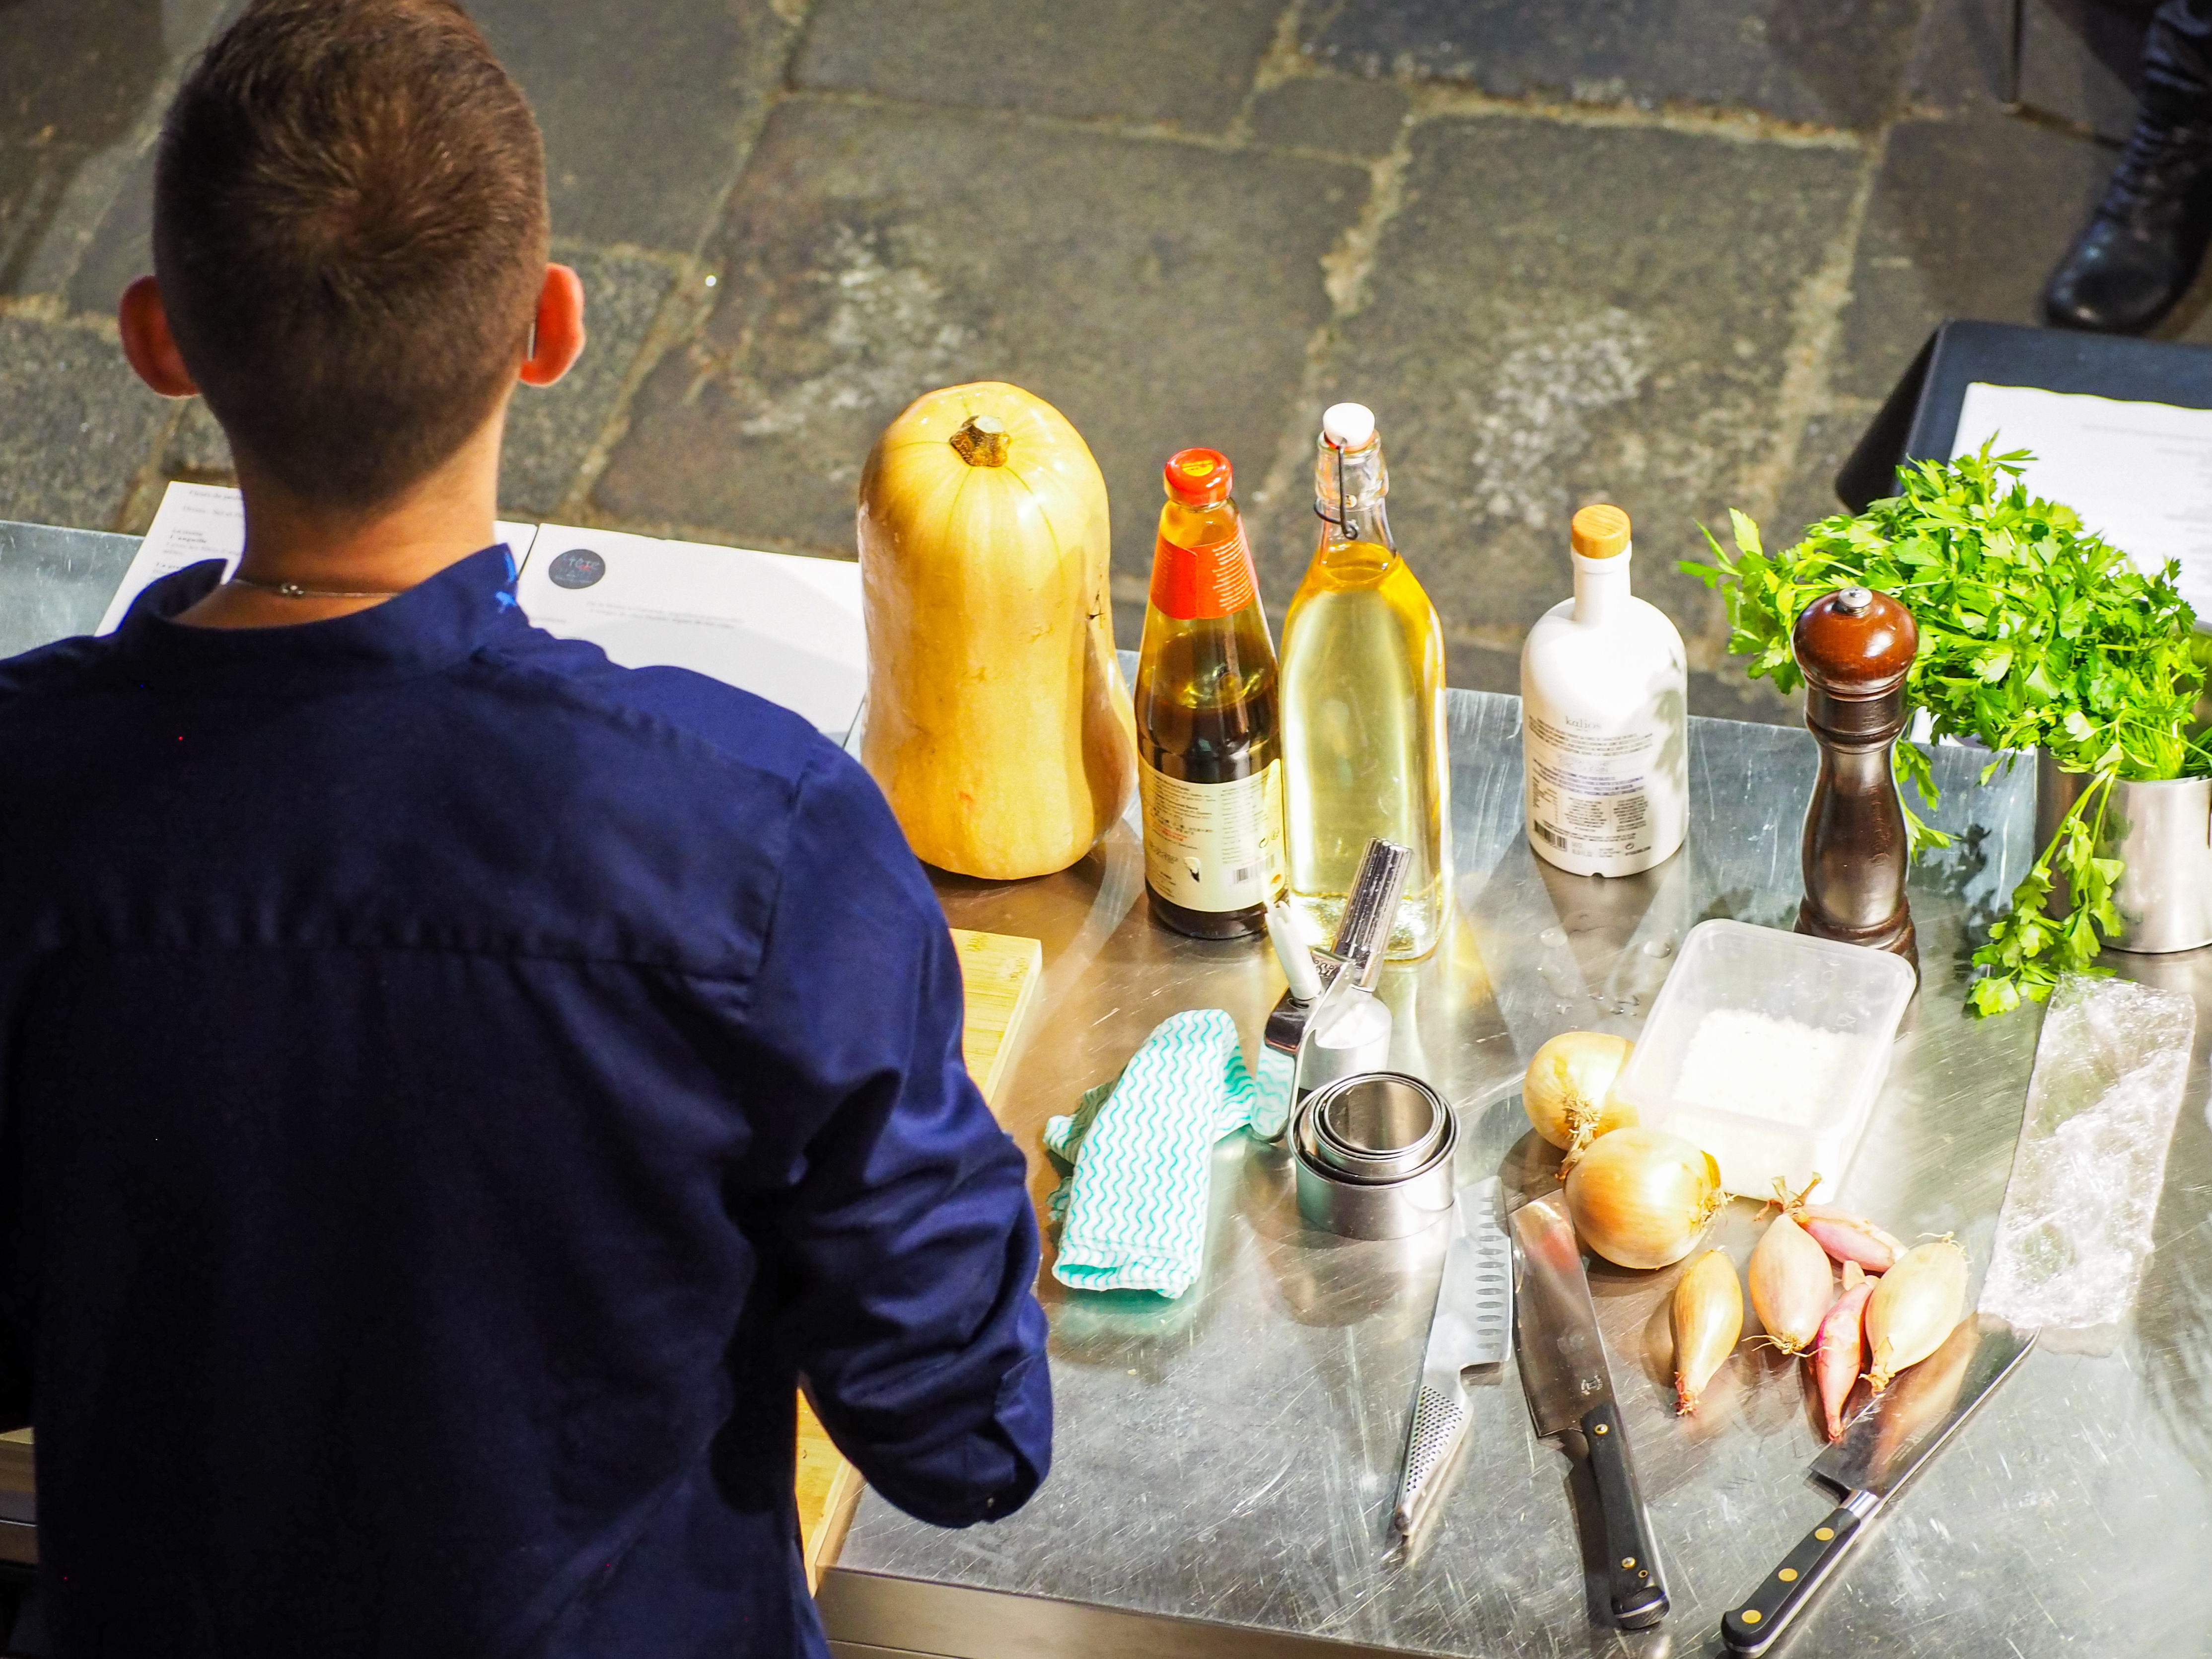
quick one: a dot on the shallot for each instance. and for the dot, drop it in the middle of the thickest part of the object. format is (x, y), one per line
(1850, 1238)
(1843, 1236)
(1568, 1091)
(1641, 1198)
(1791, 1284)
(1839, 1350)
(1914, 1308)
(1707, 1316)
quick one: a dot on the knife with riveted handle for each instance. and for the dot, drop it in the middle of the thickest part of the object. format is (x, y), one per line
(1885, 1446)
(1563, 1368)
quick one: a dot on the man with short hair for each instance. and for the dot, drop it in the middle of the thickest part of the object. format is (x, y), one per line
(453, 1090)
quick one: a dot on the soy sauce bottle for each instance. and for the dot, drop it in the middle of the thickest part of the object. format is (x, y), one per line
(1209, 742)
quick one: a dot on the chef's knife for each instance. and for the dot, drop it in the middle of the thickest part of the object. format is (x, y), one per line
(1563, 1368)
(1473, 1326)
(1884, 1445)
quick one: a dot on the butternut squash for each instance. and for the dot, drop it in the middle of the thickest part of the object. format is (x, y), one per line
(998, 724)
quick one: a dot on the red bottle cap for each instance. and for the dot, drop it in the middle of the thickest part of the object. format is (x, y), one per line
(1199, 478)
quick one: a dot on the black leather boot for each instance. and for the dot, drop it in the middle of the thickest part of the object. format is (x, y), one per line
(2142, 246)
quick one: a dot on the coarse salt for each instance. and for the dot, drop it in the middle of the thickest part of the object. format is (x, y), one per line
(1753, 1064)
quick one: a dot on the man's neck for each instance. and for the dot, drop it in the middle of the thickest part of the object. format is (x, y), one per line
(348, 559)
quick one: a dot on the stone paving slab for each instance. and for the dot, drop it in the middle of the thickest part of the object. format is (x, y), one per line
(1724, 693)
(1828, 62)
(1333, 113)
(2079, 61)
(646, 108)
(1727, 693)
(76, 76)
(647, 105)
(1158, 294)
(76, 424)
(1810, 496)
(549, 432)
(1957, 64)
(1966, 219)
(1605, 318)
(1575, 302)
(120, 250)
(76, 72)
(196, 449)
(1184, 62)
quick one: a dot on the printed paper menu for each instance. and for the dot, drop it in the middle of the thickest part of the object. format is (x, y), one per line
(2139, 474)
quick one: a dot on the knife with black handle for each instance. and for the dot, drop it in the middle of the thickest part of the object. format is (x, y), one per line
(1758, 1623)
(1563, 1370)
(1884, 1445)
(1638, 1597)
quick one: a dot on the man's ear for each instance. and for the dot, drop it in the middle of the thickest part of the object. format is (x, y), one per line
(558, 339)
(147, 343)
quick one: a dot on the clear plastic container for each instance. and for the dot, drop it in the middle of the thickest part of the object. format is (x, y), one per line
(1767, 1049)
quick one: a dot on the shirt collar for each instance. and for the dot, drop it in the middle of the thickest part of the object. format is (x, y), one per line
(432, 624)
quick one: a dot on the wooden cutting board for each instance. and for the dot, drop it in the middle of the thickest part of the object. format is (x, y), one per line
(1000, 974)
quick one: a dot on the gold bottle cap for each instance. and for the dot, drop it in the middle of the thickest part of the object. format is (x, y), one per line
(1601, 532)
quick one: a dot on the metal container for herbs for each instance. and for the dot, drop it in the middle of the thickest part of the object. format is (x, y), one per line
(2162, 833)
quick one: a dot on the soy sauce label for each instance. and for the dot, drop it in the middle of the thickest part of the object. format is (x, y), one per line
(1213, 847)
(1192, 583)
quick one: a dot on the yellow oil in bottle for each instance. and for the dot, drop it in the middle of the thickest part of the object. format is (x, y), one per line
(1365, 748)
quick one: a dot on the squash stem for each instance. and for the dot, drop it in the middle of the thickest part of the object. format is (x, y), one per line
(981, 442)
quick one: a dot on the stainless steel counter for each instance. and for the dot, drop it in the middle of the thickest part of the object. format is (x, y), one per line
(54, 583)
(1224, 1465)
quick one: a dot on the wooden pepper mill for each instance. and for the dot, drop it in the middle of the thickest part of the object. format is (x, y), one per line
(1855, 648)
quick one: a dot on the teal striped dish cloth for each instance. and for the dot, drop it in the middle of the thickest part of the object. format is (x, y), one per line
(1137, 1155)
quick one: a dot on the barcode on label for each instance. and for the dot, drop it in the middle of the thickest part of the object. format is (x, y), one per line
(1241, 874)
(1550, 835)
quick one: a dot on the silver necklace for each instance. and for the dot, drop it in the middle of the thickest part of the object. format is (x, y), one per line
(294, 590)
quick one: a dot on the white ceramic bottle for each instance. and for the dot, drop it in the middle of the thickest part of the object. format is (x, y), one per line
(1604, 717)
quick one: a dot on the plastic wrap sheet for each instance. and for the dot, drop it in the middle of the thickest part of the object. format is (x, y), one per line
(2076, 1229)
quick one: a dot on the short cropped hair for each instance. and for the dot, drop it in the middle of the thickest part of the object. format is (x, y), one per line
(349, 232)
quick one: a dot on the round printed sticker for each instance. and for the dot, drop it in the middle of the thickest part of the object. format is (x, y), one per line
(578, 567)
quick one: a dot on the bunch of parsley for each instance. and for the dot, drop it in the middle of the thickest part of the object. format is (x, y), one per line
(2033, 633)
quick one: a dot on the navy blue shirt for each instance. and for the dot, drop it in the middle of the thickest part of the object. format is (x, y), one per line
(451, 1090)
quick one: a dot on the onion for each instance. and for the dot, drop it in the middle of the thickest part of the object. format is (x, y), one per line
(1839, 1351)
(1841, 1234)
(1915, 1307)
(1848, 1238)
(1569, 1092)
(1707, 1315)
(1641, 1198)
(1791, 1284)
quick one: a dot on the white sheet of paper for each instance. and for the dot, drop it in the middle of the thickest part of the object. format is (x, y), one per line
(785, 627)
(207, 521)
(2139, 474)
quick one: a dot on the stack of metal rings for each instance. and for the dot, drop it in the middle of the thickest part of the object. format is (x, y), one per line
(1374, 1155)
